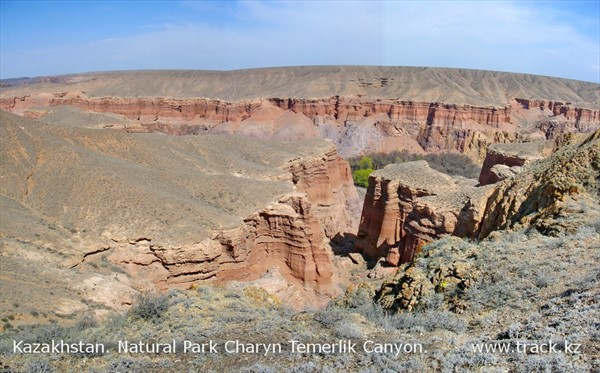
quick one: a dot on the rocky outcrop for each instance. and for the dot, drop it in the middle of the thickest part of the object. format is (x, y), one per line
(448, 270)
(410, 204)
(539, 196)
(287, 236)
(512, 156)
(327, 180)
(566, 109)
(556, 195)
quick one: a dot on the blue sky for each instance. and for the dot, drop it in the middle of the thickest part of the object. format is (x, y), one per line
(555, 38)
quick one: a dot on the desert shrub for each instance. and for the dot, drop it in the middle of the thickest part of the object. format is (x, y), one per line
(207, 293)
(429, 321)
(86, 322)
(307, 367)
(462, 359)
(585, 233)
(258, 368)
(150, 307)
(123, 365)
(39, 366)
(348, 329)
(48, 333)
(330, 316)
(550, 363)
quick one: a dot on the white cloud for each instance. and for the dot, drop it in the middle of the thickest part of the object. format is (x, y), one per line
(508, 36)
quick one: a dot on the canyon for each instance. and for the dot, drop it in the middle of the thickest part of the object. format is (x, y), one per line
(121, 183)
(361, 109)
(355, 124)
(171, 211)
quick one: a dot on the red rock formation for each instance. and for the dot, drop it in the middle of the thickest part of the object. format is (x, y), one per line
(286, 235)
(435, 126)
(571, 113)
(409, 204)
(290, 235)
(327, 180)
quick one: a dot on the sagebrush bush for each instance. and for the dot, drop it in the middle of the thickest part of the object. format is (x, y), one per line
(150, 306)
(39, 366)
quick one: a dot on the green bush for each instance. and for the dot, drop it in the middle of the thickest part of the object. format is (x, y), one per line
(365, 163)
(361, 177)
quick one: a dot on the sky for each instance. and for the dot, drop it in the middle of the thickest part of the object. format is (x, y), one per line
(554, 38)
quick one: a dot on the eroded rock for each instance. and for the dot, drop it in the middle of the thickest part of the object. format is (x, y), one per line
(410, 204)
(503, 160)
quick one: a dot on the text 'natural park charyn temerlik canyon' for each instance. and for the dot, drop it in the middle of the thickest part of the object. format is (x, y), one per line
(121, 183)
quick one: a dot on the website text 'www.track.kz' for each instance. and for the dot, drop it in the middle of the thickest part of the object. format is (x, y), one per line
(527, 347)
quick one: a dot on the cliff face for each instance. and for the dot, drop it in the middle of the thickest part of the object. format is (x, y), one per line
(285, 235)
(410, 204)
(541, 195)
(356, 124)
(327, 180)
(570, 113)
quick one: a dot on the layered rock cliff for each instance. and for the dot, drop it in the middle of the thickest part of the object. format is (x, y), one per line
(410, 204)
(557, 196)
(541, 195)
(513, 157)
(356, 124)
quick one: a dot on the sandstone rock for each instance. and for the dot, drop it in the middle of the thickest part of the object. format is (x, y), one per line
(500, 172)
(286, 236)
(510, 155)
(381, 270)
(327, 179)
(356, 124)
(410, 204)
(357, 258)
(393, 257)
(540, 192)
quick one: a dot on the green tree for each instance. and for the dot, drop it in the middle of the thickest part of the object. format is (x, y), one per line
(366, 163)
(361, 177)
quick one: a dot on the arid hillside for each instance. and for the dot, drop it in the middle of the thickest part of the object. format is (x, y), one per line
(166, 210)
(360, 108)
(456, 86)
(495, 302)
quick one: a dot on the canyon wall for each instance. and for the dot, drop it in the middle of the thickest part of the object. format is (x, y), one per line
(355, 124)
(286, 235)
(513, 157)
